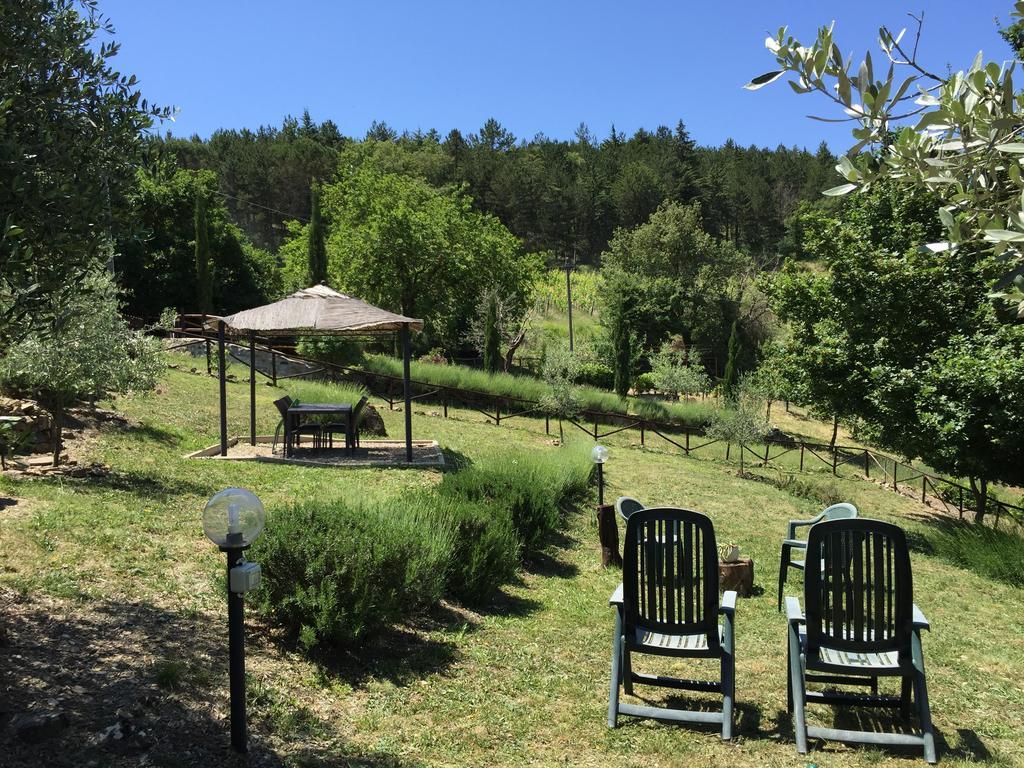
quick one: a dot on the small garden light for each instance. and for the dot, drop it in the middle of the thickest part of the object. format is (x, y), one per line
(599, 455)
(233, 520)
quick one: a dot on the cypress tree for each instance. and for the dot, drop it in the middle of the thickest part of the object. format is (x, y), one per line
(317, 253)
(730, 381)
(492, 336)
(204, 280)
(622, 348)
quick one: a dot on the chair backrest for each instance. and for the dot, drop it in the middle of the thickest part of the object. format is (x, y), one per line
(358, 410)
(858, 590)
(842, 511)
(626, 506)
(282, 404)
(670, 573)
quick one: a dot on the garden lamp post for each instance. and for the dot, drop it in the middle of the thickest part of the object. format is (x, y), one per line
(233, 520)
(599, 454)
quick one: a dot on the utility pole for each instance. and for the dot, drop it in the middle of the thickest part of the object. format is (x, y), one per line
(568, 292)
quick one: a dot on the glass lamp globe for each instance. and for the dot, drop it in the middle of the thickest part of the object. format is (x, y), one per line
(599, 454)
(233, 518)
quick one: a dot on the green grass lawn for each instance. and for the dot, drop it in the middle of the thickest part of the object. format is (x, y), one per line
(522, 680)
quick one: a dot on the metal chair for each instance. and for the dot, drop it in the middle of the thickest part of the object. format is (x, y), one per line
(626, 506)
(668, 605)
(351, 437)
(791, 542)
(282, 405)
(861, 624)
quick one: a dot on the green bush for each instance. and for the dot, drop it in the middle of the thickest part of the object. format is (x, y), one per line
(534, 490)
(486, 547)
(336, 572)
(988, 552)
(596, 375)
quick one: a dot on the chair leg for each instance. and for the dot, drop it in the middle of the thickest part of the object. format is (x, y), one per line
(728, 684)
(906, 685)
(798, 684)
(921, 697)
(783, 572)
(627, 671)
(617, 647)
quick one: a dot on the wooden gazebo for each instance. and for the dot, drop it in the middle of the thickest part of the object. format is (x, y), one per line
(316, 311)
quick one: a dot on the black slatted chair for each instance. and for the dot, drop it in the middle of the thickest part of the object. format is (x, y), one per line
(861, 624)
(351, 437)
(668, 605)
(283, 403)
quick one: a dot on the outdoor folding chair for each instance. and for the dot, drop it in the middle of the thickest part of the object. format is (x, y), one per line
(791, 542)
(626, 506)
(861, 624)
(668, 605)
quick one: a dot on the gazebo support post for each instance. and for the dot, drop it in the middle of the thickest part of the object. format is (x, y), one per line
(252, 387)
(222, 373)
(407, 387)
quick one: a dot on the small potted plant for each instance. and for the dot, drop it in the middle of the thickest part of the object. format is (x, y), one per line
(730, 553)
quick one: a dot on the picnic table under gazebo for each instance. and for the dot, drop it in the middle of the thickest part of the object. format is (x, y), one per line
(315, 311)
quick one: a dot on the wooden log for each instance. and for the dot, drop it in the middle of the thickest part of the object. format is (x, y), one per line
(608, 535)
(738, 576)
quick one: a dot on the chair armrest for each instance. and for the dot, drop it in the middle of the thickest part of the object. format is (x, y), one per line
(795, 543)
(728, 602)
(794, 524)
(616, 598)
(794, 615)
(920, 622)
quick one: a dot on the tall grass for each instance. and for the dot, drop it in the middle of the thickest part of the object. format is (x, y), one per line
(534, 390)
(987, 552)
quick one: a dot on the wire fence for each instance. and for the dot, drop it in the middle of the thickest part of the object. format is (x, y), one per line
(900, 476)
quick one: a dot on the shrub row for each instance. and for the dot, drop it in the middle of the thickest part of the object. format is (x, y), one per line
(336, 572)
(534, 390)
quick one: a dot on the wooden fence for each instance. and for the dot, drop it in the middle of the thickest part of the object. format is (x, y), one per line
(901, 477)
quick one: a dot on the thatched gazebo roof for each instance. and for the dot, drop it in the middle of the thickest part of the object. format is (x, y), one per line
(317, 311)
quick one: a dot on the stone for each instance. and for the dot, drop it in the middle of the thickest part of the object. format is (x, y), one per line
(37, 727)
(372, 423)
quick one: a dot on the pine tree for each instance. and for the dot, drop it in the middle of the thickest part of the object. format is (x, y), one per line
(492, 336)
(730, 381)
(317, 252)
(204, 280)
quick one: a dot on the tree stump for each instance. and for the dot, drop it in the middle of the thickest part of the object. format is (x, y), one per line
(608, 534)
(738, 576)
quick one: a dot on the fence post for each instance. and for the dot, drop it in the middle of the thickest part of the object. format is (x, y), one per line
(497, 415)
(801, 457)
(924, 485)
(835, 461)
(895, 473)
(445, 404)
(642, 435)
(867, 464)
(547, 424)
(960, 488)
(595, 428)
(687, 433)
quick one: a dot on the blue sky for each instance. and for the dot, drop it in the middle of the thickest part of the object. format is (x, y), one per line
(538, 67)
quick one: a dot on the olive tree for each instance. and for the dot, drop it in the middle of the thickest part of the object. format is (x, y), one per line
(561, 372)
(80, 349)
(957, 134)
(675, 374)
(739, 421)
(70, 128)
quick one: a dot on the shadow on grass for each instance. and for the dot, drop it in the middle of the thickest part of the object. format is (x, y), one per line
(155, 487)
(455, 461)
(157, 678)
(988, 552)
